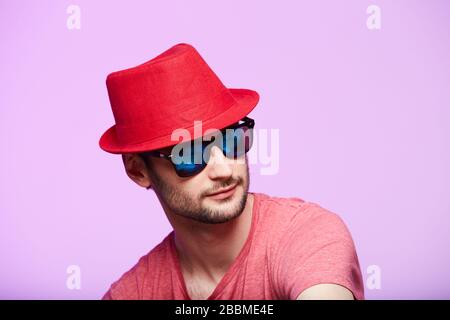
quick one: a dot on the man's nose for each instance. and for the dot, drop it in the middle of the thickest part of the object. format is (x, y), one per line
(219, 166)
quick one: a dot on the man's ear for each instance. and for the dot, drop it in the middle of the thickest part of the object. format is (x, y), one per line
(136, 169)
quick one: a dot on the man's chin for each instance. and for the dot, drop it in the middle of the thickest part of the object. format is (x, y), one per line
(226, 209)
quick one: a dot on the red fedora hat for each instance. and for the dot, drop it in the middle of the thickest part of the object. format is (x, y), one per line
(166, 93)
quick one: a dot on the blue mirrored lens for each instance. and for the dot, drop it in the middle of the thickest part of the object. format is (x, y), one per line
(235, 143)
(189, 169)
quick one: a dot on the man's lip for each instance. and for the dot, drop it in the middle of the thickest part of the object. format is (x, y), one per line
(223, 190)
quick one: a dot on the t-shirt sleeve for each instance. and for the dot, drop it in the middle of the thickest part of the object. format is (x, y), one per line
(125, 288)
(317, 248)
(107, 296)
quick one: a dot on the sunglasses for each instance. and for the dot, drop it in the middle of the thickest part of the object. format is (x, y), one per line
(191, 157)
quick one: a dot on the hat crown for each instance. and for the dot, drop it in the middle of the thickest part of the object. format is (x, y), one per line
(175, 86)
(169, 92)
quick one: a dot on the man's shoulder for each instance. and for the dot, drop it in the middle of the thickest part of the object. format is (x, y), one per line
(130, 284)
(290, 201)
(285, 213)
(289, 206)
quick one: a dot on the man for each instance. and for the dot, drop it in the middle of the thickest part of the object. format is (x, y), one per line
(227, 242)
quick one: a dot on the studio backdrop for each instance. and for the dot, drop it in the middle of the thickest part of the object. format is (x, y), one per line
(354, 102)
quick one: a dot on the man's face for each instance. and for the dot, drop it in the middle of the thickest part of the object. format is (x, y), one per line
(193, 197)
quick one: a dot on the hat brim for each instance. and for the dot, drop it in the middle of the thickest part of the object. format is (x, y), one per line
(246, 100)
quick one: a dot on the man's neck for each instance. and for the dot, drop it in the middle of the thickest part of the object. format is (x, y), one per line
(210, 249)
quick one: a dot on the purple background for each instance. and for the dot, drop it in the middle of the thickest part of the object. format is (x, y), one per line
(364, 120)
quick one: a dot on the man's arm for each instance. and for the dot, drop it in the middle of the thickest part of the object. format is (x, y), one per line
(326, 291)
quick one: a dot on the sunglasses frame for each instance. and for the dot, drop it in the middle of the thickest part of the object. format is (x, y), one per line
(248, 122)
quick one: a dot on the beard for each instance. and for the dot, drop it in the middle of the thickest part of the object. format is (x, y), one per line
(183, 204)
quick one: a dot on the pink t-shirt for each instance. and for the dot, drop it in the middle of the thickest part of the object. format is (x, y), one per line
(292, 245)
